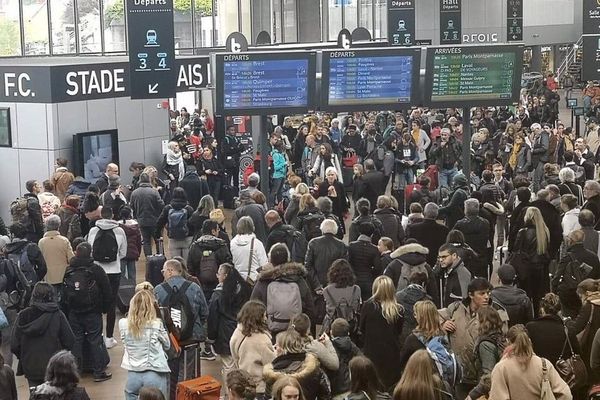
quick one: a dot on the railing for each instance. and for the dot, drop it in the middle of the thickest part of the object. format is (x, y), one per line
(570, 58)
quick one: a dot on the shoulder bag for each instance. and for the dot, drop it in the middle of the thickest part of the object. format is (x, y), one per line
(546, 389)
(572, 369)
(584, 335)
(248, 279)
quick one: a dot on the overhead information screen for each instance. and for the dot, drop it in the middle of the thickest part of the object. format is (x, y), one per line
(260, 83)
(369, 79)
(460, 76)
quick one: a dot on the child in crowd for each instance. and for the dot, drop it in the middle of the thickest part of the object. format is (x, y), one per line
(134, 242)
(385, 247)
(346, 350)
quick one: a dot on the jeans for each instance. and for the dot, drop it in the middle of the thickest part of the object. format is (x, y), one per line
(538, 176)
(401, 179)
(137, 380)
(446, 176)
(214, 187)
(115, 281)
(147, 236)
(233, 174)
(500, 229)
(276, 192)
(128, 269)
(180, 247)
(228, 366)
(90, 324)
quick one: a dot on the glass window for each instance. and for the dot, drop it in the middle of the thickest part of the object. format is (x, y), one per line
(10, 34)
(88, 15)
(227, 19)
(183, 24)
(115, 36)
(365, 14)
(277, 24)
(63, 26)
(35, 21)
(335, 18)
(380, 20)
(350, 15)
(290, 23)
(246, 14)
(203, 23)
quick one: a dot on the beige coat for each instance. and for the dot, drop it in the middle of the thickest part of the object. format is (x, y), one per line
(62, 179)
(511, 380)
(252, 353)
(57, 252)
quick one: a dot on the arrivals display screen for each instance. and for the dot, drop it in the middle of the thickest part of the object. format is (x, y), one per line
(369, 79)
(265, 83)
(459, 76)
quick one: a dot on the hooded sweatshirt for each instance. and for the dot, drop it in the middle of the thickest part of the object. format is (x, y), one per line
(40, 331)
(106, 224)
(346, 350)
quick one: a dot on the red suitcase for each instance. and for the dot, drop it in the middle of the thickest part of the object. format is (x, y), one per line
(201, 388)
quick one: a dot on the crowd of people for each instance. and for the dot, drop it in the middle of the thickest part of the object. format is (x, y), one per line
(373, 268)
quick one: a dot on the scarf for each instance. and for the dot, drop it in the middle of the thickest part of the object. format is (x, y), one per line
(416, 134)
(512, 161)
(174, 159)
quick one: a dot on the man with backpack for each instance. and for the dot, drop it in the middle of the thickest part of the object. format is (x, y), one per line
(462, 326)
(283, 288)
(514, 300)
(186, 305)
(26, 260)
(205, 256)
(287, 234)
(86, 296)
(109, 246)
(27, 211)
(248, 207)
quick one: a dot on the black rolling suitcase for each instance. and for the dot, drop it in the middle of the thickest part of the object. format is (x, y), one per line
(154, 265)
(348, 175)
(229, 193)
(126, 292)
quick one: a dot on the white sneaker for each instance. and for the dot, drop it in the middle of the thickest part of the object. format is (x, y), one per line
(110, 342)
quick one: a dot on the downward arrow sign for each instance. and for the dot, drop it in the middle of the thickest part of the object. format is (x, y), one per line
(152, 89)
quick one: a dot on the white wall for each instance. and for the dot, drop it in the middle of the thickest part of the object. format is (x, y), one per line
(43, 132)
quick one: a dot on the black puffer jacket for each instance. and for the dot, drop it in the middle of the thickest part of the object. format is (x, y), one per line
(304, 367)
(454, 208)
(411, 257)
(476, 232)
(220, 323)
(365, 260)
(103, 300)
(392, 224)
(377, 224)
(288, 272)
(346, 350)
(40, 331)
(408, 297)
(207, 243)
(321, 253)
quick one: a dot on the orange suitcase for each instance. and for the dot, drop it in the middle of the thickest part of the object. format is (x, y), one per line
(202, 388)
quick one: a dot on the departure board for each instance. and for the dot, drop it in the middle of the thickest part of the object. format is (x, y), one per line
(259, 83)
(375, 79)
(473, 75)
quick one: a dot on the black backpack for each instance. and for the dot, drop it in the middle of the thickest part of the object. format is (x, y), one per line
(181, 310)
(311, 225)
(105, 248)
(81, 290)
(21, 277)
(207, 274)
(297, 245)
(178, 224)
(575, 272)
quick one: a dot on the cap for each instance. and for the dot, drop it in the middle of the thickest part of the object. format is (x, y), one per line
(114, 181)
(506, 273)
(217, 215)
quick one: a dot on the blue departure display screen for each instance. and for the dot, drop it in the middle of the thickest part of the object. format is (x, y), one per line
(364, 80)
(268, 84)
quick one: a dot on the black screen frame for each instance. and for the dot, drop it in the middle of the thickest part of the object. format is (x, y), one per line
(572, 103)
(415, 91)
(78, 161)
(517, 49)
(310, 56)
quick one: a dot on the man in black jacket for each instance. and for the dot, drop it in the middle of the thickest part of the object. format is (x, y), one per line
(429, 233)
(195, 188)
(147, 205)
(321, 253)
(454, 277)
(476, 231)
(278, 231)
(248, 207)
(365, 259)
(231, 149)
(591, 192)
(205, 256)
(373, 183)
(33, 223)
(515, 301)
(85, 312)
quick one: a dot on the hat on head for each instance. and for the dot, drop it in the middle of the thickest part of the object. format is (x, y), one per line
(460, 180)
(506, 273)
(114, 181)
(217, 215)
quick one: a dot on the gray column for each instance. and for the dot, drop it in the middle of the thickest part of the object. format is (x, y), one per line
(309, 20)
(536, 58)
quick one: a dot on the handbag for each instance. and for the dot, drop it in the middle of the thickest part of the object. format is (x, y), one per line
(546, 390)
(571, 369)
(248, 279)
(584, 335)
(3, 320)
(350, 159)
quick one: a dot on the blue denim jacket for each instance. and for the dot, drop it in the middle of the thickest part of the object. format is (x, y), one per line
(146, 353)
(196, 298)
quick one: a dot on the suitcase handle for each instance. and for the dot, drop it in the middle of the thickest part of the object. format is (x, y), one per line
(160, 246)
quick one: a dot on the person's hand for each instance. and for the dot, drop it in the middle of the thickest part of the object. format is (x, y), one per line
(449, 326)
(215, 172)
(171, 177)
(208, 171)
(319, 291)
(578, 153)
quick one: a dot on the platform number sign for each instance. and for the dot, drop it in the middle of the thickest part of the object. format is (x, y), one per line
(151, 49)
(401, 22)
(450, 21)
(514, 21)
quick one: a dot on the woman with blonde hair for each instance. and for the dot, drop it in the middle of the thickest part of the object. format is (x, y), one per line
(428, 327)
(420, 381)
(145, 340)
(381, 321)
(291, 212)
(520, 373)
(531, 247)
(308, 210)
